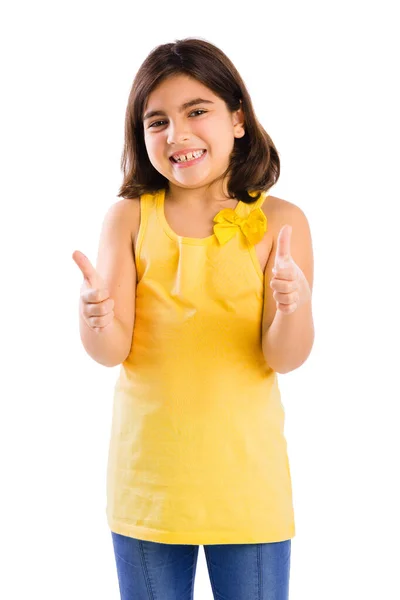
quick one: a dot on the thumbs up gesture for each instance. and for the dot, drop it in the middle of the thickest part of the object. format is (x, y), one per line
(290, 285)
(96, 306)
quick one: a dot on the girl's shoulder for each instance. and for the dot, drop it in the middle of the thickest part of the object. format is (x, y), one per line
(129, 210)
(279, 212)
(273, 206)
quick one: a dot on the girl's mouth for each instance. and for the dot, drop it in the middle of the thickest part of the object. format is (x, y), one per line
(189, 162)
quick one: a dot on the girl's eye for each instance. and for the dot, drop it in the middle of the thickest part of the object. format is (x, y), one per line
(198, 110)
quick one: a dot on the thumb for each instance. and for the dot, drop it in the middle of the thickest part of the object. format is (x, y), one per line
(88, 271)
(283, 246)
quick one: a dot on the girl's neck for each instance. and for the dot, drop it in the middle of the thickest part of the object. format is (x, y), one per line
(202, 199)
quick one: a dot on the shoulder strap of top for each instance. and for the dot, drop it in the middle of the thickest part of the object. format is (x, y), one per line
(147, 205)
(246, 209)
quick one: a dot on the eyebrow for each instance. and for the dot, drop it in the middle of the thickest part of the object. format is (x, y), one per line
(159, 112)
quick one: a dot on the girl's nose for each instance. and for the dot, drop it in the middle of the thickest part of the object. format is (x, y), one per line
(177, 134)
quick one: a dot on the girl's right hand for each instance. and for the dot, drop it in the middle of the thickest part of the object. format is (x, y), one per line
(95, 305)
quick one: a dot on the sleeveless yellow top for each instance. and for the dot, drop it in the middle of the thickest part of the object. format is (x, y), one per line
(197, 452)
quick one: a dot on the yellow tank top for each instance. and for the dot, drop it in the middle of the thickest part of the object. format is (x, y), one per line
(197, 452)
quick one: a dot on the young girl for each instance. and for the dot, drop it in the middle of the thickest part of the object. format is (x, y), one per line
(202, 291)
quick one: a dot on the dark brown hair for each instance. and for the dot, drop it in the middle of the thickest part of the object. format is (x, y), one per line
(254, 163)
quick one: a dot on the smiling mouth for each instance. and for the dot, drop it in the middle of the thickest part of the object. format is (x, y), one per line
(188, 160)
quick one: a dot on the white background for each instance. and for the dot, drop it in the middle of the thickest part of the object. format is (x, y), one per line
(322, 77)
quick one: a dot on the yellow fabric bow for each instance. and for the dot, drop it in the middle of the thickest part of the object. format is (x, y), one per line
(228, 222)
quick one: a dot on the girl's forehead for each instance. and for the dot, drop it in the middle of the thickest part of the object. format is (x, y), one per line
(178, 86)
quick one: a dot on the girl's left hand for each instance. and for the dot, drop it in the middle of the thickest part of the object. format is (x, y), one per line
(290, 285)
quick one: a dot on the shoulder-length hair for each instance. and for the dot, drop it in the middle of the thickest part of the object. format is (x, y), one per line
(254, 164)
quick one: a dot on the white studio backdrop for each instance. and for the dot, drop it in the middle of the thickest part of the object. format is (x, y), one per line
(322, 77)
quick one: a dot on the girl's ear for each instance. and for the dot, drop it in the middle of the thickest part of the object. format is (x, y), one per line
(238, 123)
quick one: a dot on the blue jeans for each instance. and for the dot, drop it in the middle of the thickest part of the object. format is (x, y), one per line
(155, 571)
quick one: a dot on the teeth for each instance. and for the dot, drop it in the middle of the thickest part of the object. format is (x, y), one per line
(189, 156)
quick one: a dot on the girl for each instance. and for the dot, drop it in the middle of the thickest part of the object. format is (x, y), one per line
(202, 293)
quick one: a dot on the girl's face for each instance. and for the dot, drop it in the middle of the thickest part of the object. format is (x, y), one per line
(206, 125)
